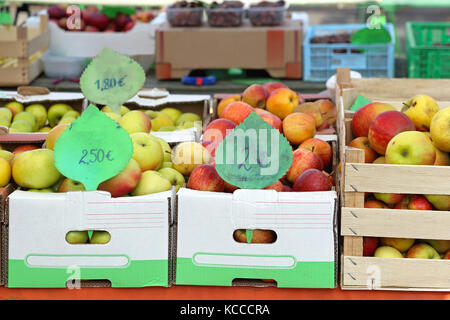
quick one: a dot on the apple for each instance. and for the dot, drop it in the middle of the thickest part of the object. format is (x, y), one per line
(258, 236)
(147, 151)
(420, 109)
(298, 127)
(312, 180)
(19, 126)
(71, 114)
(136, 121)
(186, 156)
(92, 29)
(400, 244)
(174, 177)
(124, 182)
(23, 148)
(167, 150)
(205, 178)
(172, 113)
(442, 158)
(440, 202)
(277, 186)
(166, 164)
(328, 110)
(27, 116)
(441, 246)
(158, 119)
(218, 129)
(255, 95)
(380, 160)
(123, 109)
(211, 146)
(5, 172)
(54, 134)
(324, 126)
(98, 20)
(389, 198)
(7, 155)
(115, 116)
(281, 102)
(363, 143)
(303, 159)
(70, 185)
(121, 20)
(422, 251)
(100, 237)
(364, 116)
(312, 109)
(404, 203)
(39, 112)
(446, 255)
(321, 148)
(45, 190)
(56, 12)
(15, 107)
(386, 126)
(130, 25)
(270, 118)
(168, 128)
(287, 188)
(387, 252)
(187, 117)
(410, 147)
(151, 182)
(77, 237)
(67, 120)
(419, 202)
(35, 169)
(226, 101)
(56, 112)
(370, 244)
(6, 113)
(236, 112)
(273, 85)
(440, 129)
(375, 204)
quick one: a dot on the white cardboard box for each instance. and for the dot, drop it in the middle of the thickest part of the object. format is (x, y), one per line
(136, 256)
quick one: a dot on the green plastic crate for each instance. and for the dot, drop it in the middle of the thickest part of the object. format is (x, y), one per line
(428, 49)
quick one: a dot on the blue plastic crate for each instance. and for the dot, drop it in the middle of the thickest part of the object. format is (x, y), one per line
(322, 59)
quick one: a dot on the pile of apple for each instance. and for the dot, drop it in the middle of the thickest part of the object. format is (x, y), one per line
(35, 117)
(419, 134)
(92, 20)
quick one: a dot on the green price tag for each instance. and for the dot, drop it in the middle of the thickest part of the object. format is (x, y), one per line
(92, 149)
(112, 79)
(359, 102)
(253, 155)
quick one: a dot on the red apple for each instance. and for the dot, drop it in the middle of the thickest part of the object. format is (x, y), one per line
(255, 95)
(272, 86)
(130, 25)
(287, 188)
(363, 143)
(211, 146)
(56, 12)
(446, 255)
(23, 148)
(237, 111)
(302, 160)
(121, 20)
(218, 129)
(205, 178)
(62, 23)
(375, 204)
(369, 245)
(328, 110)
(321, 148)
(91, 29)
(270, 118)
(386, 126)
(277, 186)
(230, 188)
(364, 116)
(312, 180)
(403, 204)
(419, 202)
(124, 182)
(389, 198)
(325, 125)
(98, 20)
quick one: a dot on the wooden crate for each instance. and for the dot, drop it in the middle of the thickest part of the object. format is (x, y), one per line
(25, 44)
(357, 271)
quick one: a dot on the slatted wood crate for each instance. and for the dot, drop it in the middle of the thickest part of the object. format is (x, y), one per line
(358, 271)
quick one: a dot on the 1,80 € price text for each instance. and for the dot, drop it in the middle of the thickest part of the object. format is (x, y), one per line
(109, 83)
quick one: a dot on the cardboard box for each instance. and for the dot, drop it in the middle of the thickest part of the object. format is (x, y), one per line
(74, 99)
(39, 257)
(304, 254)
(198, 104)
(4, 193)
(23, 46)
(275, 49)
(357, 222)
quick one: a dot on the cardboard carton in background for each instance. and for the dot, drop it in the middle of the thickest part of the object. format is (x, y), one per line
(39, 256)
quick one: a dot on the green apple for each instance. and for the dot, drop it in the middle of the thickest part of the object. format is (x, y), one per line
(175, 178)
(186, 125)
(29, 117)
(45, 129)
(411, 147)
(6, 113)
(72, 113)
(39, 112)
(158, 119)
(15, 107)
(5, 122)
(187, 117)
(173, 113)
(56, 112)
(66, 120)
(151, 182)
(77, 237)
(100, 237)
(167, 164)
(70, 185)
(45, 190)
(147, 151)
(168, 128)
(7, 155)
(167, 150)
(440, 202)
(20, 126)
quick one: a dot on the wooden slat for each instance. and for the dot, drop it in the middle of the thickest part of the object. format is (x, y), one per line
(412, 224)
(40, 42)
(395, 273)
(389, 178)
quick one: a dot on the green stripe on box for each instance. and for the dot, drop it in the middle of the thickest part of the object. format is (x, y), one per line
(302, 275)
(139, 273)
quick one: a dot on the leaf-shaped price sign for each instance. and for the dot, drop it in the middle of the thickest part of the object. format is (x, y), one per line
(92, 149)
(253, 155)
(112, 79)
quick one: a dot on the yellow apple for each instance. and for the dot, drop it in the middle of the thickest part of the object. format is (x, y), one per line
(167, 150)
(172, 113)
(45, 129)
(387, 252)
(123, 110)
(136, 121)
(151, 182)
(422, 251)
(54, 134)
(100, 237)
(15, 107)
(115, 116)
(70, 185)
(7, 155)
(186, 156)
(440, 202)
(147, 151)
(400, 244)
(20, 126)
(5, 172)
(35, 169)
(440, 129)
(175, 178)
(56, 112)
(72, 113)
(77, 237)
(158, 119)
(187, 117)
(6, 113)
(27, 116)
(421, 109)
(410, 147)
(40, 113)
